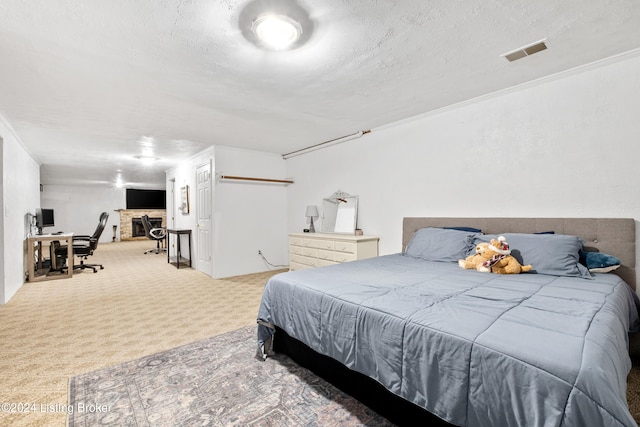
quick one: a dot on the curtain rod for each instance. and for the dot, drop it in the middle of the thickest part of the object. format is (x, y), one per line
(326, 144)
(246, 178)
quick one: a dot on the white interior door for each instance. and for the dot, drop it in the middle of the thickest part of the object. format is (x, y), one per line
(171, 218)
(203, 227)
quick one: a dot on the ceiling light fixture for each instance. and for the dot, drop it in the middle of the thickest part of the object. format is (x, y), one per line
(119, 182)
(147, 160)
(276, 32)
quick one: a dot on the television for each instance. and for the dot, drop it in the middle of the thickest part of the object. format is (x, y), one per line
(146, 199)
(44, 218)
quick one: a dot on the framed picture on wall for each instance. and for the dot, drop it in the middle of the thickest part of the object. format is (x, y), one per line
(184, 200)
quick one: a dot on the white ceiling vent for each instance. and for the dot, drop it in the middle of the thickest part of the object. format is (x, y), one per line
(525, 51)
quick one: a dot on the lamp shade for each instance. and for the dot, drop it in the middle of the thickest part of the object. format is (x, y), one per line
(312, 211)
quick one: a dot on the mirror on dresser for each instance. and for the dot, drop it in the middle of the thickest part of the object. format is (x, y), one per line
(340, 213)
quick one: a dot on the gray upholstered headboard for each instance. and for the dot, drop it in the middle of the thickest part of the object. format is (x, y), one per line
(614, 236)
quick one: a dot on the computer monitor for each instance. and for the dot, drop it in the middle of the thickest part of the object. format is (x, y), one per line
(44, 218)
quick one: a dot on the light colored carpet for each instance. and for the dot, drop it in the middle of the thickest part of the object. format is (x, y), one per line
(138, 305)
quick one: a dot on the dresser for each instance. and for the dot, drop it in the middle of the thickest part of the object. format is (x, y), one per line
(308, 250)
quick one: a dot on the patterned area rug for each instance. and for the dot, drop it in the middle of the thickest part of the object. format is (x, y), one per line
(215, 382)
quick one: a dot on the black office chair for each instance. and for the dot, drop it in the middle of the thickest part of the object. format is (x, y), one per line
(157, 234)
(84, 246)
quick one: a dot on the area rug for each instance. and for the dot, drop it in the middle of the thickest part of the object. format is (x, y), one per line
(215, 382)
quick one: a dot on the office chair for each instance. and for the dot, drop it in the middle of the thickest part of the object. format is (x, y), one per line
(84, 246)
(157, 234)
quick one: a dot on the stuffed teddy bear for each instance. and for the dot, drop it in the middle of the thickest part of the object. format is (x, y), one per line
(477, 261)
(502, 261)
(494, 257)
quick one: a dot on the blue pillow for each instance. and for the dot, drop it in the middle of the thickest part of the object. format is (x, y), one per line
(553, 254)
(470, 229)
(440, 244)
(598, 262)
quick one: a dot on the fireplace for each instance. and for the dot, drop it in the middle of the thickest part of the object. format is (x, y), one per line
(131, 218)
(137, 229)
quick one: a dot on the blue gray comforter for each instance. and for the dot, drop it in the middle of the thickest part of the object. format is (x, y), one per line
(476, 349)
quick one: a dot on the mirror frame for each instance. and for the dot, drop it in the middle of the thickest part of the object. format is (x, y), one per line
(334, 200)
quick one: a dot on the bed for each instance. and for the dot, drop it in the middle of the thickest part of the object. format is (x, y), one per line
(415, 336)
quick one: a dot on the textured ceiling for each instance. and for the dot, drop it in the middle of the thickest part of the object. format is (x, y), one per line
(88, 85)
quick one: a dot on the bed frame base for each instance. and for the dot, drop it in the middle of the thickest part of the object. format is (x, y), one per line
(368, 391)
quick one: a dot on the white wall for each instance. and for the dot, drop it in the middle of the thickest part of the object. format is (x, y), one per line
(249, 216)
(565, 146)
(77, 208)
(20, 196)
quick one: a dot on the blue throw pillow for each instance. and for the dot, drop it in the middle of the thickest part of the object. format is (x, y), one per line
(598, 262)
(469, 229)
(440, 244)
(553, 254)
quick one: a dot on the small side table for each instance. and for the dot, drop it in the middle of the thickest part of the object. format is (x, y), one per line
(178, 232)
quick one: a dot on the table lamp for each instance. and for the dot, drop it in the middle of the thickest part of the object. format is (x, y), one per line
(312, 211)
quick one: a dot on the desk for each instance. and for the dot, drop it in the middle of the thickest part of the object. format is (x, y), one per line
(178, 232)
(36, 266)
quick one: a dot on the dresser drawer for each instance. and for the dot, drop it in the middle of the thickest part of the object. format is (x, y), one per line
(345, 247)
(344, 257)
(295, 266)
(296, 241)
(324, 263)
(319, 243)
(310, 252)
(326, 255)
(297, 250)
(308, 261)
